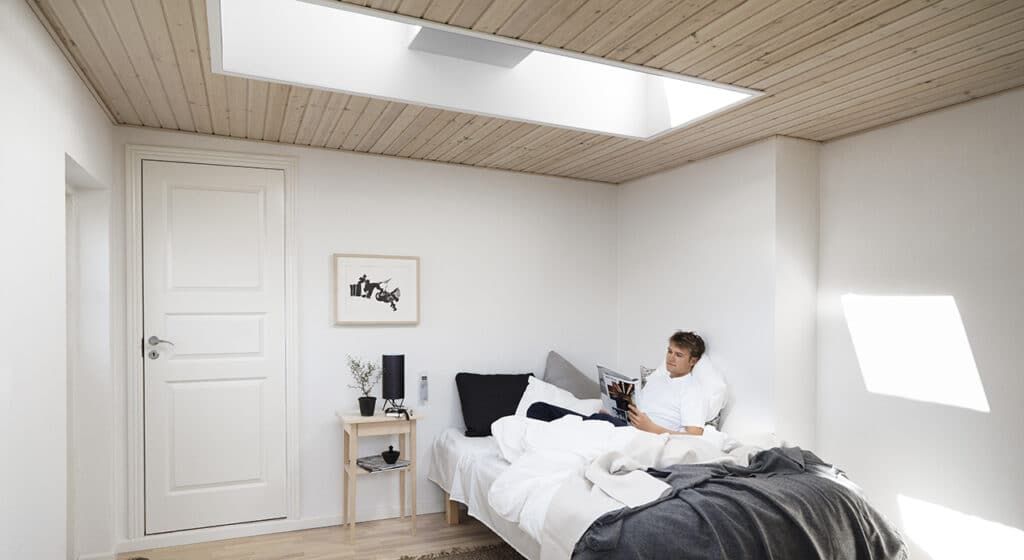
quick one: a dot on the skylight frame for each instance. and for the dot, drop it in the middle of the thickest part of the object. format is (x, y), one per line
(217, 66)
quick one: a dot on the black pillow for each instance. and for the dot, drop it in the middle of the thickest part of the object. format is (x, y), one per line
(485, 398)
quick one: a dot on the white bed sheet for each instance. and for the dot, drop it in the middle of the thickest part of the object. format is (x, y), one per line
(466, 468)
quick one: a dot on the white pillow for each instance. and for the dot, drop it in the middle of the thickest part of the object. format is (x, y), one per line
(713, 384)
(541, 391)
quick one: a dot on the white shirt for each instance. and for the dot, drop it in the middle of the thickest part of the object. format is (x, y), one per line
(674, 402)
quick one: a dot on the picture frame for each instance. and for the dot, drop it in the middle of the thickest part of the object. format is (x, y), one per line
(375, 289)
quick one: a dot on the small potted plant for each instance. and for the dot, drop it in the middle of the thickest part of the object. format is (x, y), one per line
(366, 374)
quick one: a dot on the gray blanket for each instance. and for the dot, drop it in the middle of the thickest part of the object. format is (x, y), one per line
(787, 505)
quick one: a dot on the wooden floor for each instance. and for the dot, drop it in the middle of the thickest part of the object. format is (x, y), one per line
(387, 539)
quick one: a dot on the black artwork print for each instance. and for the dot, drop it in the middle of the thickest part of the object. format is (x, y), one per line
(364, 288)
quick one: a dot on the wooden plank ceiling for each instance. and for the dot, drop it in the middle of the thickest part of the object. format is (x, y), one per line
(829, 68)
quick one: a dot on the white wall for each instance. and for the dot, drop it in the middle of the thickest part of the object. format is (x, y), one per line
(47, 113)
(696, 252)
(89, 384)
(512, 265)
(935, 206)
(794, 394)
(726, 246)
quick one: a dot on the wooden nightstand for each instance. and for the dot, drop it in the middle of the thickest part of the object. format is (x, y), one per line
(356, 426)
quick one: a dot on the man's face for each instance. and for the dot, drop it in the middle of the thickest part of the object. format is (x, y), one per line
(678, 361)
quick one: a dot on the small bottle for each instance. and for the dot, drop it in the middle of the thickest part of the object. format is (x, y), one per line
(423, 390)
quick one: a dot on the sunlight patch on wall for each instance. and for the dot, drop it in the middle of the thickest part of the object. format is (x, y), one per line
(949, 534)
(914, 347)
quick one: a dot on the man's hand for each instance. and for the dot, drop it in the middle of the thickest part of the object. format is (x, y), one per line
(642, 421)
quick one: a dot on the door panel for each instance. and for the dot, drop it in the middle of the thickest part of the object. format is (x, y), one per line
(213, 284)
(214, 237)
(200, 429)
(211, 335)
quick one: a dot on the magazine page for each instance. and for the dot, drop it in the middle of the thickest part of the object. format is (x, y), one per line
(617, 391)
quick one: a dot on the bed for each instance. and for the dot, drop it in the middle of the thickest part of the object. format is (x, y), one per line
(590, 490)
(466, 468)
(555, 490)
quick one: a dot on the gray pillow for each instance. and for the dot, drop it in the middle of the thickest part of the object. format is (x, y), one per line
(560, 373)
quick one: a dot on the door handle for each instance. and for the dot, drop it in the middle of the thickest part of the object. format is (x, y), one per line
(155, 340)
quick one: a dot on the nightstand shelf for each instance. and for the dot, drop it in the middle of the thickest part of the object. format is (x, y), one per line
(360, 471)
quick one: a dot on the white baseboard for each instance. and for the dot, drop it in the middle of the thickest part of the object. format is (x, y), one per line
(251, 529)
(101, 556)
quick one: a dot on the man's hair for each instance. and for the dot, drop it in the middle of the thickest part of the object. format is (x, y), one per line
(690, 341)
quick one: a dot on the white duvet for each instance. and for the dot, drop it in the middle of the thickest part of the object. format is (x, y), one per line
(546, 455)
(543, 455)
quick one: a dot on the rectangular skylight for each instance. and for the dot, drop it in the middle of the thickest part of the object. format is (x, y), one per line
(335, 46)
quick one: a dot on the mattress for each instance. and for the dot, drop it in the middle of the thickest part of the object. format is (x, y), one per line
(466, 468)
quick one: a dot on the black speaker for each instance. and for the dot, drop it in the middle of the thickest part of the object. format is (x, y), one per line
(393, 387)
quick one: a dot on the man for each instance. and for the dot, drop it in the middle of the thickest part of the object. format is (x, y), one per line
(672, 401)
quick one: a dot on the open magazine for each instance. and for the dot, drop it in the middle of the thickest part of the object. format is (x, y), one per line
(617, 391)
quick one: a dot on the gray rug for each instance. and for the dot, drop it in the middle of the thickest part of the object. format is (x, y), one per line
(489, 552)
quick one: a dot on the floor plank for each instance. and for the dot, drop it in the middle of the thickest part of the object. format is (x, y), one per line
(387, 539)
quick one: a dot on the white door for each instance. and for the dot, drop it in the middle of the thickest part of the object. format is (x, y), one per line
(213, 289)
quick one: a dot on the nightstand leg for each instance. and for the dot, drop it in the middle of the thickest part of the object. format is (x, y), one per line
(344, 481)
(353, 451)
(402, 441)
(412, 470)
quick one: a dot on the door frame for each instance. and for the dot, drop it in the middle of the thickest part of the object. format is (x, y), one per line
(132, 382)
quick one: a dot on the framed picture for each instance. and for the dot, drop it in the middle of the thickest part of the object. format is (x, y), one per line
(376, 290)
